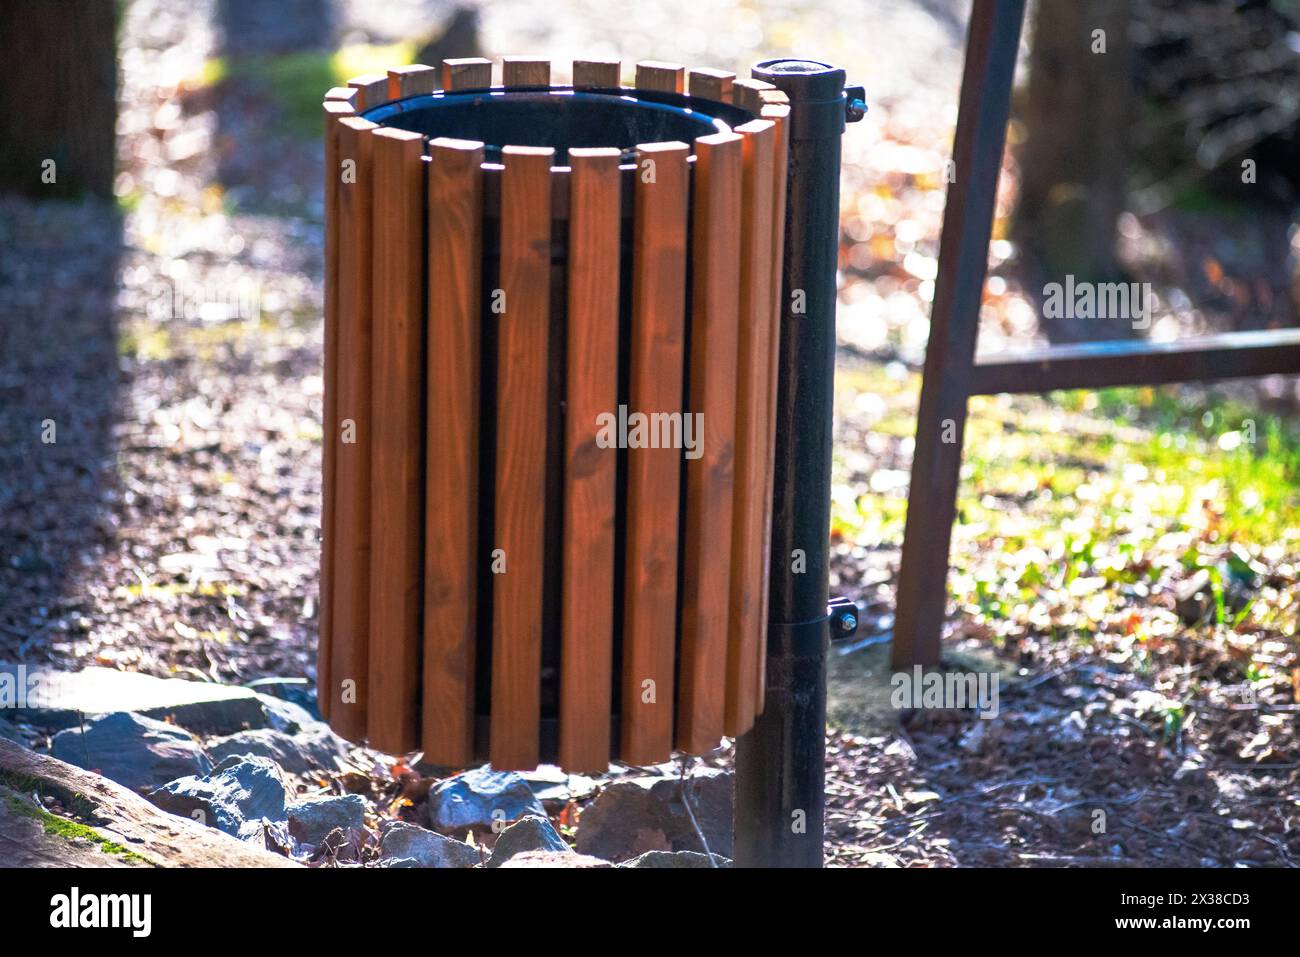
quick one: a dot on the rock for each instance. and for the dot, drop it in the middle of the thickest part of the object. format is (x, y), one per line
(54, 700)
(554, 859)
(311, 821)
(477, 798)
(407, 845)
(647, 813)
(134, 751)
(675, 859)
(240, 790)
(527, 834)
(122, 819)
(294, 753)
(296, 691)
(281, 715)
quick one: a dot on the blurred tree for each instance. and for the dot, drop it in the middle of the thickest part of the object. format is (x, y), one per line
(1075, 111)
(58, 99)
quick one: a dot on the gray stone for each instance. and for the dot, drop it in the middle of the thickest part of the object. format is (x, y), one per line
(527, 834)
(477, 798)
(297, 691)
(135, 751)
(281, 715)
(657, 859)
(63, 699)
(402, 842)
(554, 859)
(641, 814)
(311, 821)
(238, 791)
(295, 753)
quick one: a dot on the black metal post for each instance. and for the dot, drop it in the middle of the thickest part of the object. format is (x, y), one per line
(780, 764)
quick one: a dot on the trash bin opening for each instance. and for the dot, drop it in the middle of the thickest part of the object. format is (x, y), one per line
(560, 118)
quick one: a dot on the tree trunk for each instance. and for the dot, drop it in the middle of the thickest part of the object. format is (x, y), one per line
(1076, 114)
(58, 99)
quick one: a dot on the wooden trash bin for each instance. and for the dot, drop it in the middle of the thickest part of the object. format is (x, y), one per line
(550, 386)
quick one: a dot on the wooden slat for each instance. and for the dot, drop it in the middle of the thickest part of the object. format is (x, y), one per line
(346, 94)
(778, 113)
(745, 93)
(1096, 365)
(523, 342)
(587, 612)
(657, 75)
(411, 80)
(372, 89)
(350, 661)
(754, 425)
(452, 454)
(519, 71)
(707, 563)
(653, 475)
(466, 73)
(397, 437)
(596, 73)
(711, 84)
(332, 112)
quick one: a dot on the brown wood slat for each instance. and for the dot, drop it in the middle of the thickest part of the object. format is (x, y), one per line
(332, 112)
(754, 424)
(397, 438)
(523, 342)
(411, 80)
(452, 455)
(707, 563)
(525, 71)
(661, 76)
(350, 649)
(777, 112)
(653, 475)
(587, 610)
(346, 94)
(596, 73)
(745, 93)
(466, 73)
(711, 84)
(372, 89)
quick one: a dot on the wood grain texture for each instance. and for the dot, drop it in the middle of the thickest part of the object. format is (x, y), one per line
(466, 73)
(754, 423)
(332, 112)
(455, 191)
(346, 94)
(397, 437)
(745, 94)
(372, 89)
(596, 73)
(523, 344)
(711, 399)
(587, 609)
(711, 84)
(525, 71)
(653, 474)
(349, 583)
(411, 80)
(661, 76)
(777, 112)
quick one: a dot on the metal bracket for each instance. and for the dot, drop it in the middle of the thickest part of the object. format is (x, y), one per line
(843, 614)
(855, 103)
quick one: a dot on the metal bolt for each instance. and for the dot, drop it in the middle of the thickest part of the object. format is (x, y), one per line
(848, 623)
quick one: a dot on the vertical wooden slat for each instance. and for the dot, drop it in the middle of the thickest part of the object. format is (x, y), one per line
(397, 437)
(706, 573)
(653, 474)
(587, 612)
(466, 73)
(525, 71)
(372, 89)
(711, 84)
(332, 111)
(411, 80)
(345, 94)
(754, 425)
(745, 93)
(657, 75)
(452, 454)
(523, 342)
(596, 73)
(778, 113)
(352, 430)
